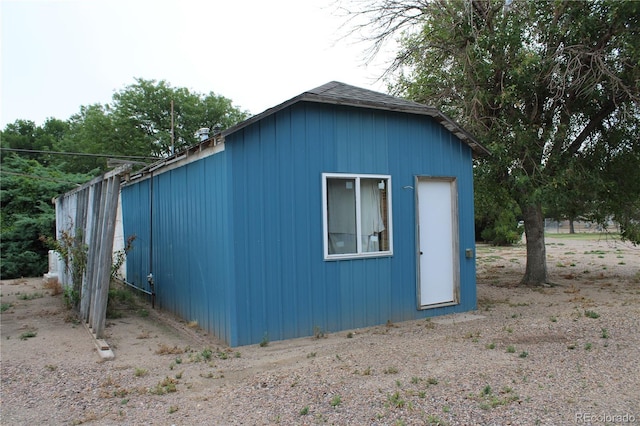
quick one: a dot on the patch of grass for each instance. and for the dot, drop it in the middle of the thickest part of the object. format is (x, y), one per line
(553, 319)
(395, 400)
(143, 313)
(336, 400)
(605, 333)
(591, 314)
(523, 354)
(141, 372)
(588, 346)
(311, 355)
(390, 370)
(173, 409)
(511, 349)
(206, 353)
(304, 411)
(367, 371)
(30, 296)
(5, 307)
(28, 334)
(490, 345)
(432, 381)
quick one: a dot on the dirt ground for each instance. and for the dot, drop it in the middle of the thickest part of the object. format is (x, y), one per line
(164, 367)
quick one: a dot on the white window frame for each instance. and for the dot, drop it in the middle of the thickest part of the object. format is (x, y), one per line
(325, 220)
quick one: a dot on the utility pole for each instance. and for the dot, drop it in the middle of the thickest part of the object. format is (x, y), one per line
(172, 135)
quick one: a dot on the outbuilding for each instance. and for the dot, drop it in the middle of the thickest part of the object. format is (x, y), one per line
(338, 209)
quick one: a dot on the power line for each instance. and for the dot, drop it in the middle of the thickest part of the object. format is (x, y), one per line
(81, 154)
(39, 177)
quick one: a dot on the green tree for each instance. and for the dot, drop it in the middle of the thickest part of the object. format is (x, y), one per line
(27, 213)
(543, 84)
(142, 116)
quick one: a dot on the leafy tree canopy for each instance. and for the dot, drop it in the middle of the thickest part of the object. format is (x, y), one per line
(550, 87)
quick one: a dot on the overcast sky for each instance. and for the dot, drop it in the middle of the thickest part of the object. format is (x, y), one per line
(59, 55)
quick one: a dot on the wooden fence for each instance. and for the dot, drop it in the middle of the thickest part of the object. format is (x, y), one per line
(88, 214)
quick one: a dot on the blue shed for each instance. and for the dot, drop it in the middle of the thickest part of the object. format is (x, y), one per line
(337, 209)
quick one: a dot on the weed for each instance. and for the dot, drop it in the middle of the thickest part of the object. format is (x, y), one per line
(143, 313)
(5, 306)
(51, 367)
(487, 390)
(571, 347)
(318, 332)
(511, 349)
(367, 371)
(141, 372)
(192, 324)
(523, 354)
(415, 380)
(605, 333)
(168, 350)
(311, 355)
(398, 383)
(588, 346)
(179, 375)
(395, 400)
(265, 340)
(446, 409)
(422, 394)
(432, 381)
(206, 353)
(168, 385)
(304, 411)
(432, 419)
(173, 409)
(591, 314)
(178, 360)
(349, 335)
(490, 345)
(390, 370)
(28, 334)
(223, 355)
(336, 400)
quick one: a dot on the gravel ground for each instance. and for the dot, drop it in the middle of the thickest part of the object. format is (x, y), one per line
(567, 354)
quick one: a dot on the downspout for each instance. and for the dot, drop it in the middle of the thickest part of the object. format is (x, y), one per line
(150, 276)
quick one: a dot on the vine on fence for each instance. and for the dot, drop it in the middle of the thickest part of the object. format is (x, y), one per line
(73, 252)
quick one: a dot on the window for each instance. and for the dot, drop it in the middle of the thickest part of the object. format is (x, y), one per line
(357, 215)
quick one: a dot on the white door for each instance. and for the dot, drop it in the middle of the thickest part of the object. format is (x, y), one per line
(437, 215)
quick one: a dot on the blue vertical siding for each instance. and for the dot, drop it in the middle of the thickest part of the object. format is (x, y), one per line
(237, 236)
(190, 241)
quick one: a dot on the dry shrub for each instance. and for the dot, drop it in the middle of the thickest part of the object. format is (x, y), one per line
(168, 350)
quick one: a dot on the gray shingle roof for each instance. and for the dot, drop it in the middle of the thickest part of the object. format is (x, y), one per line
(338, 93)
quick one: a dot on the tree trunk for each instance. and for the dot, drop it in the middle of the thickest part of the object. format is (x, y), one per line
(572, 229)
(536, 270)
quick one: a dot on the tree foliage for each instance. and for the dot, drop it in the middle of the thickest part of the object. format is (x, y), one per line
(142, 116)
(545, 85)
(27, 213)
(135, 126)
